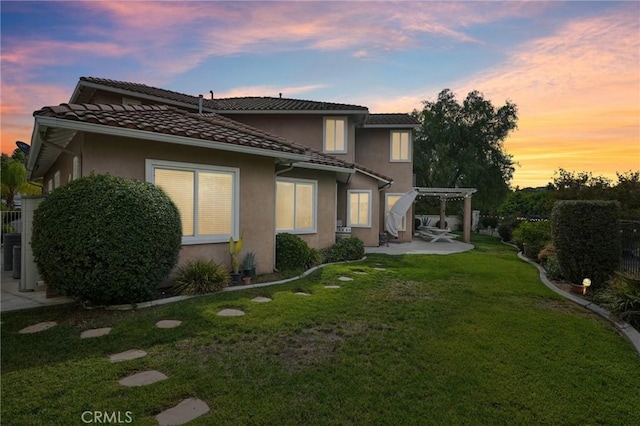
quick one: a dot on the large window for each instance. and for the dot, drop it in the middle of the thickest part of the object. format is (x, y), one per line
(359, 208)
(207, 197)
(75, 171)
(335, 134)
(296, 205)
(390, 200)
(401, 145)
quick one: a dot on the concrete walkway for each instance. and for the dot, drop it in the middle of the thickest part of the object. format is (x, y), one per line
(418, 246)
(12, 299)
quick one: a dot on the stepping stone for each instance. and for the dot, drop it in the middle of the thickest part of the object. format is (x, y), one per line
(143, 379)
(261, 299)
(331, 286)
(345, 279)
(230, 313)
(182, 413)
(127, 355)
(380, 269)
(302, 293)
(168, 323)
(360, 273)
(36, 328)
(96, 332)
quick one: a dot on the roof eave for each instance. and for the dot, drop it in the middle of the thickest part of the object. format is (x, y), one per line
(293, 111)
(391, 126)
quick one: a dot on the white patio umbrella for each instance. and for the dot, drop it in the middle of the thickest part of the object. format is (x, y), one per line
(393, 221)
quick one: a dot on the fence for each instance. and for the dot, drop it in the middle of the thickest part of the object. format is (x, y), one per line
(11, 222)
(630, 255)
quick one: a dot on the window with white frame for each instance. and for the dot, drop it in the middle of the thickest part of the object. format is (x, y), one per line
(390, 200)
(296, 205)
(50, 186)
(56, 180)
(335, 134)
(75, 170)
(401, 145)
(359, 208)
(206, 196)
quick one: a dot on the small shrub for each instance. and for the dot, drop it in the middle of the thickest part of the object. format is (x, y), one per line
(587, 238)
(293, 253)
(621, 295)
(531, 237)
(200, 276)
(548, 250)
(489, 222)
(345, 249)
(505, 229)
(106, 239)
(552, 267)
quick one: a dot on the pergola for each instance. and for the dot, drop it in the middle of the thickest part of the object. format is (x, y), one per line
(448, 194)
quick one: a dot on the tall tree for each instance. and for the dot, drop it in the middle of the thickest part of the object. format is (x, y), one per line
(462, 145)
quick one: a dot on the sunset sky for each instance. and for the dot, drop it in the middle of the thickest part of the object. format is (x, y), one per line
(572, 68)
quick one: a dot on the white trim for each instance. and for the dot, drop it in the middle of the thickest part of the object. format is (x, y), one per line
(403, 226)
(369, 207)
(151, 165)
(409, 147)
(314, 207)
(345, 135)
(374, 176)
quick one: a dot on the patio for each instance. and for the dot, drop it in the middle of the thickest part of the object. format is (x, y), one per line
(418, 246)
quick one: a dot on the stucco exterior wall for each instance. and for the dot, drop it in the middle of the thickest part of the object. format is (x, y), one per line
(368, 235)
(126, 157)
(326, 206)
(64, 163)
(305, 129)
(373, 150)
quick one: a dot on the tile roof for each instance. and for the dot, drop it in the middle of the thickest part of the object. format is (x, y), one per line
(224, 104)
(390, 120)
(173, 121)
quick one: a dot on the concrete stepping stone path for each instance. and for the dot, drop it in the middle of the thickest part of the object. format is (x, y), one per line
(345, 278)
(168, 323)
(143, 379)
(127, 355)
(331, 286)
(187, 410)
(36, 328)
(261, 299)
(379, 269)
(230, 313)
(302, 293)
(96, 332)
(360, 273)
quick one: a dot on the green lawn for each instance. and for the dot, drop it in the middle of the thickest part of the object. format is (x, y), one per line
(471, 338)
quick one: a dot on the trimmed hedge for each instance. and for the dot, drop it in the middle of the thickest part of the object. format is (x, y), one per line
(293, 253)
(345, 249)
(106, 239)
(587, 239)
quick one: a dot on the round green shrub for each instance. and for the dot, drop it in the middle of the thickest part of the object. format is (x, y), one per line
(106, 239)
(293, 253)
(345, 249)
(200, 276)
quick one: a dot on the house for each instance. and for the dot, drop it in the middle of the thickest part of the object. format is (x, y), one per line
(257, 165)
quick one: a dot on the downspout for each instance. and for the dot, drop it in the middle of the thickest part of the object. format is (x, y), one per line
(285, 170)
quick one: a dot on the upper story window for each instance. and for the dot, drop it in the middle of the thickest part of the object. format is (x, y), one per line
(206, 196)
(401, 145)
(335, 135)
(296, 205)
(359, 208)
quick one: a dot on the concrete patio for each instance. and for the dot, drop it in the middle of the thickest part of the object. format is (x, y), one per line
(12, 299)
(418, 246)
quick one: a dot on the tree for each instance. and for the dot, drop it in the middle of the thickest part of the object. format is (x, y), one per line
(14, 179)
(462, 145)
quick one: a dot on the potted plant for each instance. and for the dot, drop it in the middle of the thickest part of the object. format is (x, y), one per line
(249, 265)
(234, 250)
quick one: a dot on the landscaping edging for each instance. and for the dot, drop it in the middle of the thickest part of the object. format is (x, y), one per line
(158, 302)
(632, 335)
